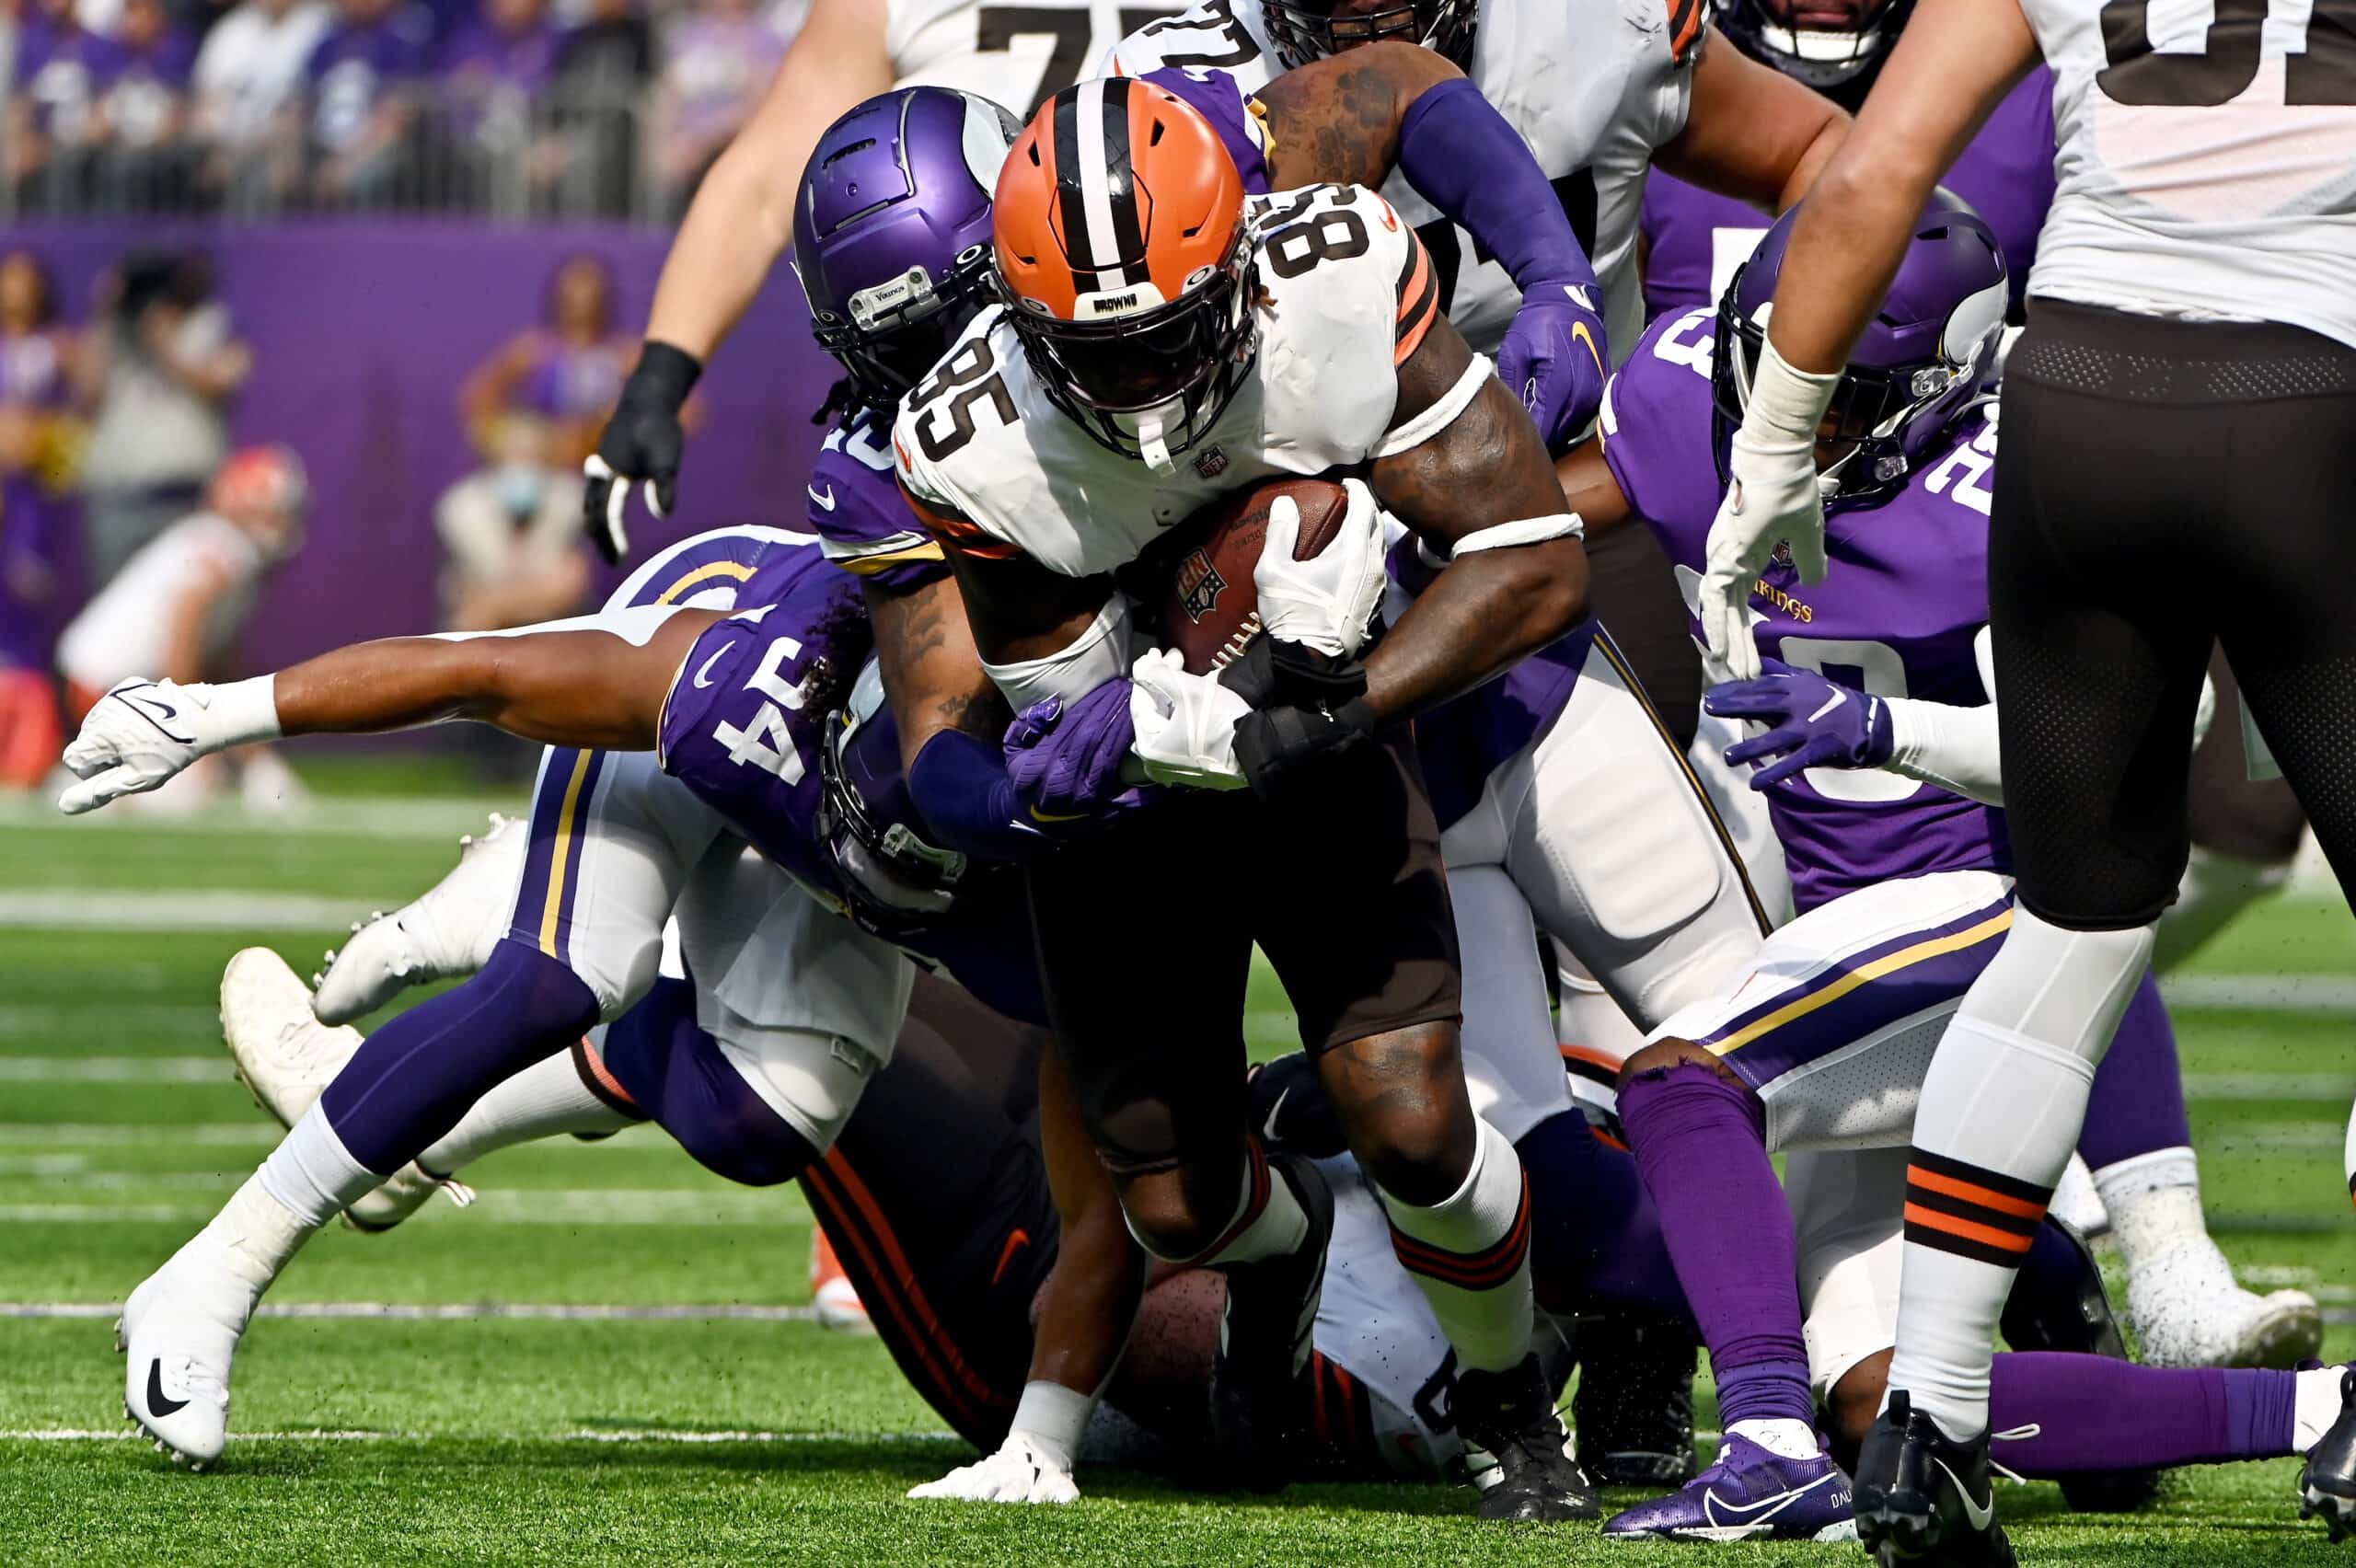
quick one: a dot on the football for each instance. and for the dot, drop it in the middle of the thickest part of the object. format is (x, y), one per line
(1213, 611)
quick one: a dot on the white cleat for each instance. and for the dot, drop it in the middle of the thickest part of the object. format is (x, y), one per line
(446, 932)
(179, 1332)
(286, 1058)
(2186, 1310)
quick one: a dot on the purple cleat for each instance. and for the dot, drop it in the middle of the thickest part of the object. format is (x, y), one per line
(1747, 1493)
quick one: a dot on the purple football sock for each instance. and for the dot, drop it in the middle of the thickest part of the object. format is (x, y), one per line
(2054, 1415)
(1700, 1143)
(677, 1074)
(2137, 1102)
(1594, 1236)
(410, 1081)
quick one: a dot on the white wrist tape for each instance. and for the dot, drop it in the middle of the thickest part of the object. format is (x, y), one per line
(242, 711)
(1440, 415)
(1054, 1417)
(1956, 748)
(1098, 654)
(1529, 531)
(1786, 405)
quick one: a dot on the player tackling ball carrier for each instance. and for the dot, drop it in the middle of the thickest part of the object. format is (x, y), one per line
(2179, 412)
(1166, 340)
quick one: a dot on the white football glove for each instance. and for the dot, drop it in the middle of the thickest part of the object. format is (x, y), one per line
(1024, 1471)
(1185, 724)
(1773, 498)
(1326, 601)
(142, 733)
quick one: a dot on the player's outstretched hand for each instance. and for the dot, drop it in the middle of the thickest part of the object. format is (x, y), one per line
(142, 733)
(1812, 723)
(1553, 359)
(642, 441)
(1022, 1472)
(1325, 602)
(1773, 498)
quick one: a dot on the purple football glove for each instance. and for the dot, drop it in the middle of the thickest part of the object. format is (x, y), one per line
(1064, 762)
(1812, 723)
(1553, 358)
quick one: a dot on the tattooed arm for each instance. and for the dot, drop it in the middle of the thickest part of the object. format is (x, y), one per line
(1485, 470)
(1337, 121)
(932, 674)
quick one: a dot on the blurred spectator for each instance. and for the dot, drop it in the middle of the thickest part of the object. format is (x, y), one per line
(164, 366)
(510, 535)
(144, 106)
(249, 78)
(723, 55)
(602, 68)
(365, 79)
(56, 124)
(492, 71)
(568, 372)
(37, 436)
(179, 604)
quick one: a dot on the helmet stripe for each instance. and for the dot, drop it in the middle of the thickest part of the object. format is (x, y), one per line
(1100, 251)
(1070, 211)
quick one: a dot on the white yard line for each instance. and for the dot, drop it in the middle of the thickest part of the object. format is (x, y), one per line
(411, 1311)
(619, 1435)
(117, 1135)
(119, 1069)
(2262, 993)
(2324, 1090)
(182, 910)
(572, 1208)
(327, 816)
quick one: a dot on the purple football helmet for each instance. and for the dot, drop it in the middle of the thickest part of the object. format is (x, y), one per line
(892, 232)
(1927, 355)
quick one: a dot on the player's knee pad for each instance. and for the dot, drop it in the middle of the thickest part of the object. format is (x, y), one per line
(682, 1076)
(2058, 987)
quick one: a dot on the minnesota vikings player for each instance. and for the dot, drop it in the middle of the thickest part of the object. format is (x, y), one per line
(1694, 239)
(1900, 879)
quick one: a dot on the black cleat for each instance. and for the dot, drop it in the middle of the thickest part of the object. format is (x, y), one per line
(2078, 1319)
(2327, 1481)
(1922, 1497)
(1259, 1379)
(1633, 1406)
(1511, 1414)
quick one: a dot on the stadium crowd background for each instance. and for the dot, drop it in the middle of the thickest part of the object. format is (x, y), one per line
(413, 243)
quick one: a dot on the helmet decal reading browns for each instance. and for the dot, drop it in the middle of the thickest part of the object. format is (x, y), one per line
(1927, 355)
(1123, 254)
(891, 233)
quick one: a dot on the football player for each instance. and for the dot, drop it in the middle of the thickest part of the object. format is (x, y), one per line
(1162, 349)
(1900, 879)
(2177, 412)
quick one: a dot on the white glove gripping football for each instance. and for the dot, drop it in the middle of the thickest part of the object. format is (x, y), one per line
(1023, 1470)
(1034, 1465)
(1773, 498)
(1185, 724)
(1325, 602)
(142, 733)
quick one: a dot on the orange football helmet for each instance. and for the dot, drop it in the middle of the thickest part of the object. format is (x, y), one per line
(1121, 247)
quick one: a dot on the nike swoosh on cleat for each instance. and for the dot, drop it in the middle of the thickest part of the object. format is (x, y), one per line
(157, 1405)
(1711, 1501)
(1980, 1513)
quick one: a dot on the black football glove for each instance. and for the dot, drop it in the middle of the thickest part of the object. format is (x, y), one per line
(1305, 706)
(642, 441)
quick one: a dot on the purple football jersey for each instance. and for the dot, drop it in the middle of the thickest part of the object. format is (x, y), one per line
(857, 513)
(1896, 616)
(1694, 239)
(1221, 100)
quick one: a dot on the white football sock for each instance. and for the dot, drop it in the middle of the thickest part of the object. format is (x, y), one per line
(1470, 1256)
(2154, 1205)
(255, 1233)
(2315, 1405)
(1783, 1436)
(1268, 1221)
(311, 1174)
(2001, 1109)
(545, 1100)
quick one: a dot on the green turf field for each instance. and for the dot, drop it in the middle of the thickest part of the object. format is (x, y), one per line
(737, 1433)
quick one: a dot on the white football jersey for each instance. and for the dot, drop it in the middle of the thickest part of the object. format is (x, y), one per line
(1593, 85)
(2205, 171)
(1015, 55)
(127, 630)
(1345, 294)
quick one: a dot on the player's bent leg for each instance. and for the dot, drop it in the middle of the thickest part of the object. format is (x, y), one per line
(446, 932)
(2182, 1295)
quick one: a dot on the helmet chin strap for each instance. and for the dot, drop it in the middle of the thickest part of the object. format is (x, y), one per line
(1152, 445)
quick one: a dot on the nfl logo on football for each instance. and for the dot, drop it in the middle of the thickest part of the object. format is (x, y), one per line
(1199, 585)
